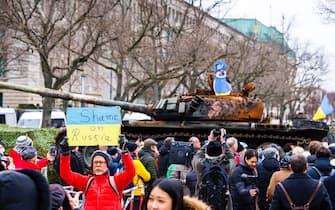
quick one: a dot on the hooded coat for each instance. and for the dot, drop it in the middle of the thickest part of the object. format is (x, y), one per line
(24, 189)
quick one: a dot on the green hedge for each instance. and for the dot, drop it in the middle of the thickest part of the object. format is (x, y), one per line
(42, 138)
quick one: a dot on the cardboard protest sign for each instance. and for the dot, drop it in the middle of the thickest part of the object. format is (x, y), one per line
(91, 126)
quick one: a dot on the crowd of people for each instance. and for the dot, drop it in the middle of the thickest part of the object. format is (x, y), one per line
(216, 173)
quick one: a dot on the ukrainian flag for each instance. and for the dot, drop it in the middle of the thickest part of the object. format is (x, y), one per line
(325, 109)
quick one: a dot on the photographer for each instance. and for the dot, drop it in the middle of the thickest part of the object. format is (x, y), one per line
(243, 183)
(227, 157)
(101, 190)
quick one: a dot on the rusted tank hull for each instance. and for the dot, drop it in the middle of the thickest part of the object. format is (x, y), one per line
(253, 134)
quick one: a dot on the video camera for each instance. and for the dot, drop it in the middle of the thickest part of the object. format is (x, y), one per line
(216, 132)
(181, 153)
(251, 180)
(4, 159)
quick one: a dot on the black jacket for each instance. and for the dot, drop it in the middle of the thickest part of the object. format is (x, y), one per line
(163, 160)
(24, 189)
(330, 186)
(300, 188)
(265, 170)
(239, 187)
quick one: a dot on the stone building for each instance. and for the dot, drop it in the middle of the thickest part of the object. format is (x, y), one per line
(95, 80)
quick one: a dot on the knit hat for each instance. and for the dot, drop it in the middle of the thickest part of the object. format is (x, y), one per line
(269, 152)
(103, 154)
(112, 150)
(131, 146)
(214, 149)
(285, 162)
(149, 142)
(21, 142)
(28, 152)
(57, 195)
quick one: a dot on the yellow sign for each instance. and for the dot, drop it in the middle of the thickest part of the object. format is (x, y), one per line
(93, 126)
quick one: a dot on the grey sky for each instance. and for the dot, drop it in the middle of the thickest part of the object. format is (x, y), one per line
(307, 26)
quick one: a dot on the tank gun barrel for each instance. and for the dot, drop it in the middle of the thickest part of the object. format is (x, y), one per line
(46, 92)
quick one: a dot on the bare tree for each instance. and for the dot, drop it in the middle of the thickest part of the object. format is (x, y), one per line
(159, 51)
(70, 31)
(327, 10)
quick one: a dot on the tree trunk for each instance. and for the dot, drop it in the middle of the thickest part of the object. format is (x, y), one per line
(47, 108)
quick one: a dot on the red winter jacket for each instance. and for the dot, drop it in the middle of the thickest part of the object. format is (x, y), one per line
(23, 164)
(100, 195)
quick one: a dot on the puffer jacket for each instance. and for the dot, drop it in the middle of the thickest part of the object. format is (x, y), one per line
(239, 187)
(100, 195)
(22, 164)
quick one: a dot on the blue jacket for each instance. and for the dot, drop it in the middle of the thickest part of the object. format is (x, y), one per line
(300, 187)
(323, 164)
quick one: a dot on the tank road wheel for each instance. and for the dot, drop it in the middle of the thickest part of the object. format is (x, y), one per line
(87, 153)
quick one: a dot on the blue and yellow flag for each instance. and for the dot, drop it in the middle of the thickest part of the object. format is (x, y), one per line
(91, 126)
(324, 109)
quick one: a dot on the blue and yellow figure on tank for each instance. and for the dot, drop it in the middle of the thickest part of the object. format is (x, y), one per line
(220, 84)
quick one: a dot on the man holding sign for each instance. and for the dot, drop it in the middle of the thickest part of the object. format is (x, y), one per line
(102, 191)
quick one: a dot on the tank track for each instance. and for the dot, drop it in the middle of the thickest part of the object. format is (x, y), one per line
(252, 134)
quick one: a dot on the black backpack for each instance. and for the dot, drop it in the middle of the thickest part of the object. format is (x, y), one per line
(213, 188)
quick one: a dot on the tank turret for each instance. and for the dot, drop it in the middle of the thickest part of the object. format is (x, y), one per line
(196, 114)
(190, 107)
(209, 108)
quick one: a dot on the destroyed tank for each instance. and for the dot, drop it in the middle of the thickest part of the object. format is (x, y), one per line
(196, 114)
(241, 116)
